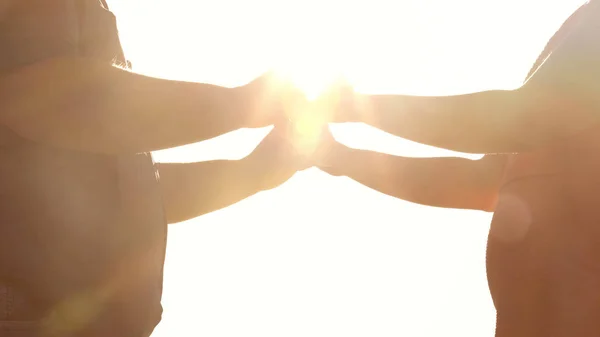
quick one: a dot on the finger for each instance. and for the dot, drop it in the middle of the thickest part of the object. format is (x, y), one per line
(333, 157)
(341, 99)
(331, 170)
(271, 97)
(280, 150)
(326, 144)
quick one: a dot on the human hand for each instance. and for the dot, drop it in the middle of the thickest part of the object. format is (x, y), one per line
(342, 103)
(275, 159)
(330, 156)
(270, 99)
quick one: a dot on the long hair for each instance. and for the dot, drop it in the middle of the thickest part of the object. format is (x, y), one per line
(555, 41)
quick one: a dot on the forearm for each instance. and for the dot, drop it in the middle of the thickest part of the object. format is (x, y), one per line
(191, 190)
(439, 182)
(484, 122)
(92, 106)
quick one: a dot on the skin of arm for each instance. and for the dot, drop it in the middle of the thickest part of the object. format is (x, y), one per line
(484, 122)
(558, 101)
(87, 105)
(441, 182)
(194, 189)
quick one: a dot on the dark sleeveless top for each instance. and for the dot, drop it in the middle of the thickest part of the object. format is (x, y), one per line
(548, 209)
(82, 235)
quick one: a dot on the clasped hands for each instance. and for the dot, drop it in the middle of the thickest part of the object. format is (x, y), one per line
(300, 137)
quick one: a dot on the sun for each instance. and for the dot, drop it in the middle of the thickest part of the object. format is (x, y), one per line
(310, 117)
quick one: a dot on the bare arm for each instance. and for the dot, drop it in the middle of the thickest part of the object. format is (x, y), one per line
(92, 106)
(484, 122)
(191, 190)
(559, 100)
(440, 182)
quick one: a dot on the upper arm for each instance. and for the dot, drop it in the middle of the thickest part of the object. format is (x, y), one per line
(489, 172)
(457, 182)
(557, 101)
(564, 89)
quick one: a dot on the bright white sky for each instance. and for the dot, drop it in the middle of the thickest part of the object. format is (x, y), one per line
(325, 256)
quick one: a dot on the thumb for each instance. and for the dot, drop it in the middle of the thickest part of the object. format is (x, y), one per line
(330, 168)
(331, 159)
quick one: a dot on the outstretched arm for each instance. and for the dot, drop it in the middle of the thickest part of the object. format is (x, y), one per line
(440, 182)
(88, 105)
(559, 100)
(191, 190)
(483, 122)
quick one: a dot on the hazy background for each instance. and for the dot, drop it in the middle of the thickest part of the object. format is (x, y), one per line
(325, 256)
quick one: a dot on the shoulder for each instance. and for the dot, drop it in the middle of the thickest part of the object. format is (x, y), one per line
(560, 35)
(573, 50)
(562, 92)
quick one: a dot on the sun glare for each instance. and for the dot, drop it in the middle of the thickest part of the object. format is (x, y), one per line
(310, 118)
(311, 80)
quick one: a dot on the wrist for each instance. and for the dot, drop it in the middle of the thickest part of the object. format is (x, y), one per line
(249, 175)
(254, 108)
(242, 106)
(335, 160)
(352, 107)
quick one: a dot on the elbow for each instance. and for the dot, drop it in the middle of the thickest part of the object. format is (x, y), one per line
(489, 204)
(457, 200)
(486, 208)
(480, 202)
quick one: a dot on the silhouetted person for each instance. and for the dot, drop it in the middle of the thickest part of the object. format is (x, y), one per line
(83, 208)
(541, 177)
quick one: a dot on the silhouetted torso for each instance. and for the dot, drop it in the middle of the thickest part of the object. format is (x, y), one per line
(82, 235)
(547, 225)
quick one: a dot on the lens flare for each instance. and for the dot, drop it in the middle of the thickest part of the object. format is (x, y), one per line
(312, 78)
(310, 115)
